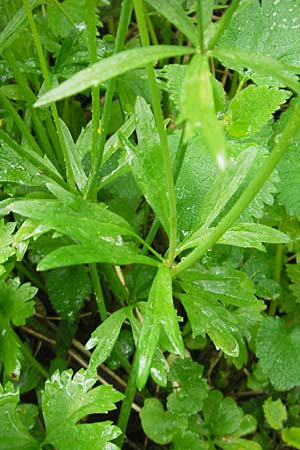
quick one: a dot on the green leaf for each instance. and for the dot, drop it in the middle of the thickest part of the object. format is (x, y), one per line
(174, 13)
(211, 318)
(229, 285)
(277, 348)
(6, 240)
(105, 337)
(245, 235)
(160, 425)
(15, 306)
(17, 169)
(226, 185)
(222, 415)
(16, 26)
(237, 444)
(293, 271)
(61, 20)
(146, 163)
(111, 67)
(268, 29)
(116, 252)
(198, 110)
(291, 436)
(251, 235)
(74, 156)
(288, 171)
(195, 178)
(68, 288)
(98, 230)
(191, 389)
(251, 108)
(67, 399)
(160, 313)
(275, 413)
(15, 435)
(270, 71)
(188, 441)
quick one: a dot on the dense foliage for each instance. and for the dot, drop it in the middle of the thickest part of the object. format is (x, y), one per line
(150, 257)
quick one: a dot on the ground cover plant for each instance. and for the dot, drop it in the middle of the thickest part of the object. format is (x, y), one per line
(150, 256)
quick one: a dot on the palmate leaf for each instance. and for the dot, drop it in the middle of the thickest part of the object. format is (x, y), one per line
(160, 425)
(16, 306)
(15, 435)
(67, 399)
(112, 67)
(277, 349)
(191, 389)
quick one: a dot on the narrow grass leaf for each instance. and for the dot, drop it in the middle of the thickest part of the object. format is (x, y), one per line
(111, 67)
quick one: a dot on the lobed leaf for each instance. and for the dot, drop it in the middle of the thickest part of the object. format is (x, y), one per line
(275, 413)
(67, 399)
(277, 349)
(251, 108)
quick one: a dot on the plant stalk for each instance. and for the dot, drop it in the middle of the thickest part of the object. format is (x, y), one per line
(44, 68)
(91, 186)
(248, 195)
(142, 25)
(222, 24)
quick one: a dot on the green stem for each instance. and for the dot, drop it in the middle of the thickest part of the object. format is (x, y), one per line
(98, 291)
(20, 124)
(249, 193)
(223, 23)
(200, 25)
(141, 21)
(27, 353)
(91, 186)
(92, 43)
(127, 402)
(30, 98)
(44, 68)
